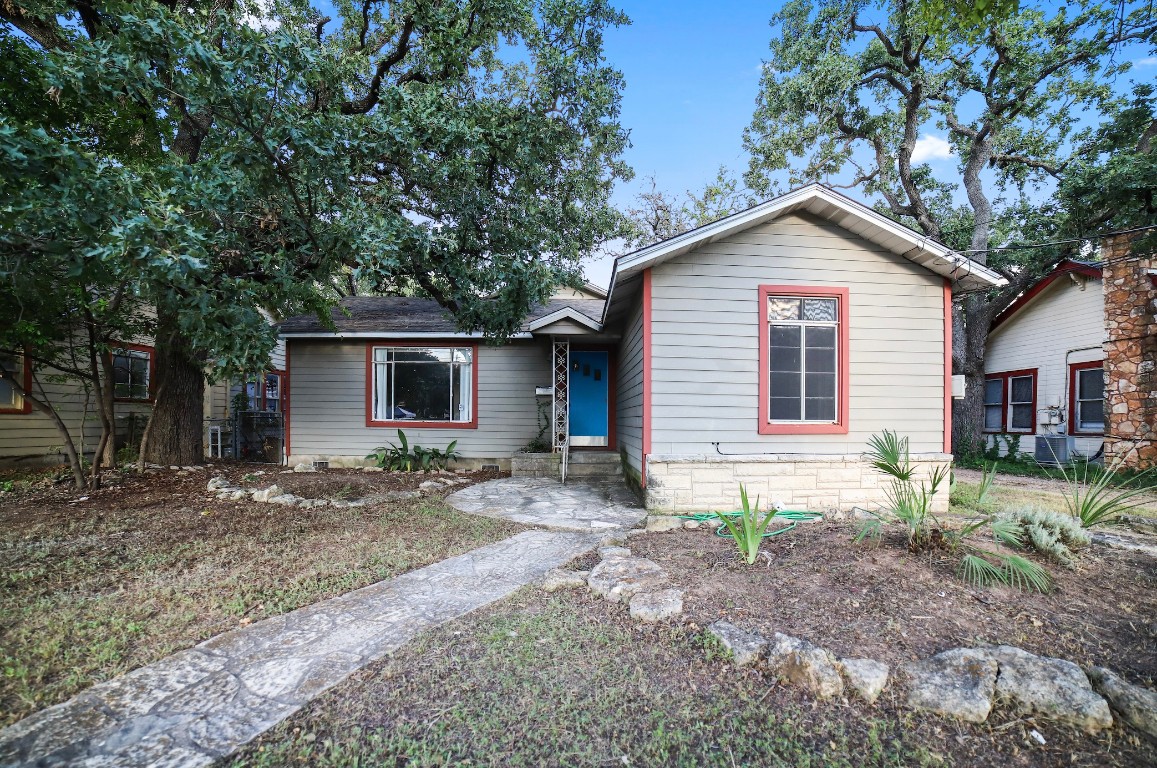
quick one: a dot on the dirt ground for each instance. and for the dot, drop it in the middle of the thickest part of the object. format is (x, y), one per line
(97, 583)
(879, 601)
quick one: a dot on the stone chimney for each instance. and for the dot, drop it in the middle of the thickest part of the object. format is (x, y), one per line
(1130, 355)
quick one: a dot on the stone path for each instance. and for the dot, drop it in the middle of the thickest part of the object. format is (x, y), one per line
(548, 503)
(201, 704)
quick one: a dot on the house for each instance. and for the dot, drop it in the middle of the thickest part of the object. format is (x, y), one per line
(1044, 367)
(765, 348)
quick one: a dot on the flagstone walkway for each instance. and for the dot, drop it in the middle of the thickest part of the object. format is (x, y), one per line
(201, 704)
(547, 503)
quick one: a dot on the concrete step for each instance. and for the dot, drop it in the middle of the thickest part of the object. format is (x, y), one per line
(595, 458)
(594, 471)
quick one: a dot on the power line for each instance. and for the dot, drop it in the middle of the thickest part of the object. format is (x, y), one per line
(1059, 242)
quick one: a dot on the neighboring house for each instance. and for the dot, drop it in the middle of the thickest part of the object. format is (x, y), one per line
(28, 437)
(765, 349)
(1044, 367)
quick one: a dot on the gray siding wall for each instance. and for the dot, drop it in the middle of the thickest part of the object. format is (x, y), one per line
(629, 389)
(327, 391)
(705, 334)
(34, 439)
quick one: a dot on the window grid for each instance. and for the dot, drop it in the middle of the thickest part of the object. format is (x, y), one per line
(384, 407)
(1087, 378)
(805, 324)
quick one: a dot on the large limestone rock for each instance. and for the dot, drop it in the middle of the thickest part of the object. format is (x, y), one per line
(265, 494)
(618, 578)
(663, 523)
(806, 665)
(1136, 705)
(1053, 688)
(656, 606)
(747, 648)
(606, 553)
(958, 683)
(867, 677)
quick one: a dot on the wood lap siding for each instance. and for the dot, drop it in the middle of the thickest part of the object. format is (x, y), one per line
(328, 390)
(1062, 318)
(705, 331)
(629, 394)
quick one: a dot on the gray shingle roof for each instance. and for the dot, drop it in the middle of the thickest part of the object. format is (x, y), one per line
(402, 314)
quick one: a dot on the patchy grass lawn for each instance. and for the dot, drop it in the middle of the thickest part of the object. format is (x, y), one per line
(570, 680)
(1011, 491)
(93, 587)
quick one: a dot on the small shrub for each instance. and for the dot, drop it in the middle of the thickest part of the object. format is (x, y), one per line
(747, 528)
(403, 458)
(1052, 534)
(1098, 496)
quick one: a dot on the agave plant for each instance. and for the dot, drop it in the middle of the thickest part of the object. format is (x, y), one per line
(748, 527)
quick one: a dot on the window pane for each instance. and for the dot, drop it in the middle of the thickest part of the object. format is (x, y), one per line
(11, 367)
(1021, 389)
(1091, 384)
(780, 308)
(821, 349)
(820, 310)
(993, 392)
(1092, 415)
(423, 391)
(383, 398)
(1021, 416)
(418, 355)
(992, 418)
(820, 409)
(821, 385)
(785, 408)
(460, 402)
(785, 384)
(785, 352)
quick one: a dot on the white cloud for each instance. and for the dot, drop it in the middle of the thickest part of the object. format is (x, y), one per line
(931, 148)
(1151, 61)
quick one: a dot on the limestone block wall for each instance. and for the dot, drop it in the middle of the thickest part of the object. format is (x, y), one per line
(818, 483)
(1130, 356)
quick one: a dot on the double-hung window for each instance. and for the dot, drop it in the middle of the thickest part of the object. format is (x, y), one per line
(429, 386)
(1010, 402)
(803, 360)
(132, 373)
(13, 377)
(1087, 399)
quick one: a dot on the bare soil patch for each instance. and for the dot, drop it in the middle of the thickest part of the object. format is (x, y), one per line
(879, 601)
(94, 584)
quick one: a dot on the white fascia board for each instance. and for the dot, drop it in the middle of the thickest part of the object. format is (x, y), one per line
(944, 261)
(388, 335)
(566, 313)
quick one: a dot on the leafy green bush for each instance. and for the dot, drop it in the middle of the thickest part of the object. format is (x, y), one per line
(747, 528)
(403, 458)
(910, 504)
(1052, 534)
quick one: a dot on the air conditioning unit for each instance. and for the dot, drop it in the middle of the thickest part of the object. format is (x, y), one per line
(1052, 449)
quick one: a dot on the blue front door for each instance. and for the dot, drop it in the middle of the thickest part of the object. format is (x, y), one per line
(589, 401)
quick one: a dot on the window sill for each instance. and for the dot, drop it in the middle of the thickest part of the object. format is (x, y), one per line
(423, 424)
(137, 400)
(802, 429)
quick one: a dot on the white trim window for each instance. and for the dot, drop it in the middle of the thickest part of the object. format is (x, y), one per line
(131, 369)
(422, 384)
(804, 355)
(1090, 400)
(12, 365)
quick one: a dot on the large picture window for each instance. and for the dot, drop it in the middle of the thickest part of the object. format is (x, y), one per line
(13, 372)
(1010, 402)
(430, 386)
(132, 373)
(1087, 398)
(803, 360)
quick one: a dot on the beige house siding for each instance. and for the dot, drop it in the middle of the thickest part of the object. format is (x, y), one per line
(705, 338)
(1062, 325)
(328, 403)
(629, 392)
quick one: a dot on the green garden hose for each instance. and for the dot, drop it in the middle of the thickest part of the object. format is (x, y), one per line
(795, 515)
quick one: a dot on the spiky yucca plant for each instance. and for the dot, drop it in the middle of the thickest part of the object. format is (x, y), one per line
(1095, 496)
(749, 527)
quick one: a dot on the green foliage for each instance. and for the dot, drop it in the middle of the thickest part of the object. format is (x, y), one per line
(987, 476)
(910, 504)
(540, 443)
(748, 527)
(404, 458)
(1096, 496)
(7, 486)
(654, 215)
(1053, 535)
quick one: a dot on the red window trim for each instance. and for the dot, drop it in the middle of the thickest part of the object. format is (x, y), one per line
(262, 398)
(840, 425)
(25, 404)
(152, 372)
(371, 422)
(1004, 376)
(1072, 426)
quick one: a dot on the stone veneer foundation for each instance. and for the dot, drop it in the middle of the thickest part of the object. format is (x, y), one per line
(1130, 356)
(818, 483)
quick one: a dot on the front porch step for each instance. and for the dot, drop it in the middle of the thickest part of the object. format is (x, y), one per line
(595, 465)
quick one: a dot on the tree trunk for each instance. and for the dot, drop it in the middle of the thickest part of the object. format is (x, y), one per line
(173, 435)
(969, 343)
